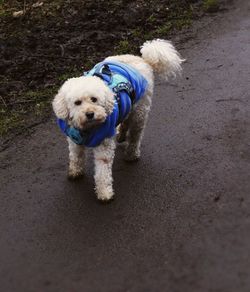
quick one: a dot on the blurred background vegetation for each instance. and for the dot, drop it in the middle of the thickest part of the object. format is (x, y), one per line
(43, 43)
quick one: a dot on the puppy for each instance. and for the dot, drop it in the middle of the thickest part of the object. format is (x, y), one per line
(115, 93)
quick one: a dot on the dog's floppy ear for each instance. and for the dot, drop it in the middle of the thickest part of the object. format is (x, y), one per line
(109, 101)
(59, 106)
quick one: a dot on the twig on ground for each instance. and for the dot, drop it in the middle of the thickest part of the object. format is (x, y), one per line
(23, 102)
(3, 101)
(62, 50)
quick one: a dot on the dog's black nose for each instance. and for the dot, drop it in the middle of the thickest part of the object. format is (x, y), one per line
(90, 115)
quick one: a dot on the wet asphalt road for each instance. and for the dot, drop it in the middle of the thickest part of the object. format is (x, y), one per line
(181, 218)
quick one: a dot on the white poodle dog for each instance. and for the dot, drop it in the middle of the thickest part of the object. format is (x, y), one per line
(90, 108)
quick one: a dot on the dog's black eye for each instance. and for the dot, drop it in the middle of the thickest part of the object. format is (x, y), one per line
(93, 99)
(78, 102)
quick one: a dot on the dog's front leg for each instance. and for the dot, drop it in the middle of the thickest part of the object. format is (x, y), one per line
(76, 160)
(104, 156)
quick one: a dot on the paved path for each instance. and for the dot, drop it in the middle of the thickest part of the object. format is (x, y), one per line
(181, 218)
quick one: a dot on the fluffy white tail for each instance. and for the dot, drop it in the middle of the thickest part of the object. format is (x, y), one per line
(162, 57)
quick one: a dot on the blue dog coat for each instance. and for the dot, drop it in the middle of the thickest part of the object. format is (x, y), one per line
(128, 86)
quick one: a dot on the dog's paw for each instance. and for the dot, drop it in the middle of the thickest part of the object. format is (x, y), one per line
(131, 156)
(74, 175)
(105, 195)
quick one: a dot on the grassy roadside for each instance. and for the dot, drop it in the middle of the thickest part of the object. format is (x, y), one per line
(49, 43)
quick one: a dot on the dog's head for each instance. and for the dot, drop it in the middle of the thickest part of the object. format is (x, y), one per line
(84, 102)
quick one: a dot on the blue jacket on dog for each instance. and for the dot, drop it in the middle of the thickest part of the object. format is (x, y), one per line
(127, 84)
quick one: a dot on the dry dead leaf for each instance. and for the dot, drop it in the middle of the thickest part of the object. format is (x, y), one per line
(18, 13)
(37, 4)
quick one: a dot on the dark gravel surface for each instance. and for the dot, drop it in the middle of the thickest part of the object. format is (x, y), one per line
(181, 218)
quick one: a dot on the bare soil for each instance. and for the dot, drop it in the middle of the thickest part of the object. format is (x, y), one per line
(61, 39)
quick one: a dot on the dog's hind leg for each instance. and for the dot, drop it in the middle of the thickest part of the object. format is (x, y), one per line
(137, 122)
(76, 160)
(104, 156)
(123, 129)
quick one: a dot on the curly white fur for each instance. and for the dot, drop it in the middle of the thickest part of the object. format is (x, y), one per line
(163, 57)
(75, 99)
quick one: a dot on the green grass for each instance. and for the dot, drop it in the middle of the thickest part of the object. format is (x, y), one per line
(3, 11)
(124, 47)
(34, 103)
(10, 121)
(210, 5)
(164, 29)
